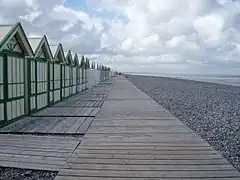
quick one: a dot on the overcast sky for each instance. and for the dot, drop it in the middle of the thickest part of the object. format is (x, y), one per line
(167, 36)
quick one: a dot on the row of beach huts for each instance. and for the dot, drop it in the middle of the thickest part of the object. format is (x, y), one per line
(35, 74)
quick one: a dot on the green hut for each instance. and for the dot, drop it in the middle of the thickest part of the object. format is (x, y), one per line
(80, 74)
(58, 59)
(72, 73)
(84, 72)
(76, 77)
(66, 71)
(14, 48)
(39, 74)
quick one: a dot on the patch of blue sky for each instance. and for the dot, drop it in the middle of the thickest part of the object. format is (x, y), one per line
(82, 5)
(76, 4)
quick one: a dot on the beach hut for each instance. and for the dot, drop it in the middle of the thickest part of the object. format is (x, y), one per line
(72, 72)
(83, 70)
(58, 59)
(39, 74)
(90, 75)
(66, 74)
(80, 74)
(76, 78)
(14, 48)
(97, 74)
(87, 68)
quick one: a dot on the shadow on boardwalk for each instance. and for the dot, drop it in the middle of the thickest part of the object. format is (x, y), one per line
(46, 139)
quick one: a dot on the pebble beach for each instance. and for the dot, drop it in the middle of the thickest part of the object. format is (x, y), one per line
(209, 109)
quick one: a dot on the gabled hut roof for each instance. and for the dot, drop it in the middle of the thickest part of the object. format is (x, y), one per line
(40, 47)
(13, 38)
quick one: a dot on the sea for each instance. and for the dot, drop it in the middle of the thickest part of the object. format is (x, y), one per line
(220, 79)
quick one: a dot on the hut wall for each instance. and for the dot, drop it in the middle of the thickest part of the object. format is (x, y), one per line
(14, 96)
(74, 80)
(57, 82)
(1, 89)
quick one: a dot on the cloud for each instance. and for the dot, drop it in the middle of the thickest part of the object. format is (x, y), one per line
(200, 36)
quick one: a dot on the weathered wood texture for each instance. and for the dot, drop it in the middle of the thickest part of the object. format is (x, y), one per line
(50, 125)
(44, 152)
(132, 137)
(36, 152)
(71, 116)
(85, 104)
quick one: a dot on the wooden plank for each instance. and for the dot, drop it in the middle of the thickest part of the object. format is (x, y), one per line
(149, 148)
(13, 157)
(137, 123)
(44, 125)
(35, 166)
(84, 111)
(143, 152)
(138, 129)
(18, 125)
(95, 111)
(21, 149)
(36, 121)
(32, 160)
(165, 138)
(89, 111)
(54, 146)
(148, 174)
(59, 177)
(134, 118)
(143, 162)
(50, 126)
(149, 167)
(70, 122)
(35, 137)
(130, 116)
(78, 123)
(146, 156)
(64, 125)
(141, 136)
(36, 143)
(86, 124)
(155, 143)
(35, 152)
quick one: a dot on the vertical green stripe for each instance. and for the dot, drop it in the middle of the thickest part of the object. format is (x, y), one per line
(52, 82)
(48, 83)
(5, 88)
(36, 83)
(16, 79)
(61, 82)
(13, 83)
(29, 75)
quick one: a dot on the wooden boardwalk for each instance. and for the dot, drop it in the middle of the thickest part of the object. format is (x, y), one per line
(36, 152)
(132, 137)
(45, 140)
(71, 116)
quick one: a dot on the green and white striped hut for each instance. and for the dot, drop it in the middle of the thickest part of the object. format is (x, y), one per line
(66, 74)
(84, 72)
(75, 73)
(80, 74)
(58, 59)
(14, 48)
(70, 60)
(39, 77)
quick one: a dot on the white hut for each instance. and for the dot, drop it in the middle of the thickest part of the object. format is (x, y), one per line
(39, 77)
(14, 48)
(58, 59)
